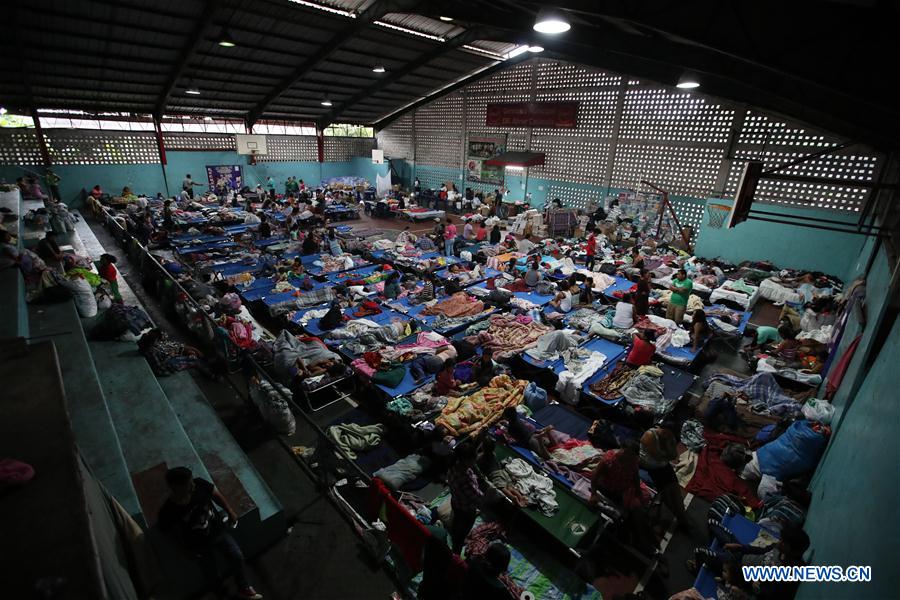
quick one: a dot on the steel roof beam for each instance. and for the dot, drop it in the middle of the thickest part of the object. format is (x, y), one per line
(374, 12)
(187, 53)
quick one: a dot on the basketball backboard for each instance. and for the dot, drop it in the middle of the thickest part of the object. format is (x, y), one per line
(743, 198)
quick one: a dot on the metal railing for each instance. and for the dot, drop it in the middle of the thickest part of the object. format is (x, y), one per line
(125, 237)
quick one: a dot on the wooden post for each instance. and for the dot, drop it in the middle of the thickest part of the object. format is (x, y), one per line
(42, 143)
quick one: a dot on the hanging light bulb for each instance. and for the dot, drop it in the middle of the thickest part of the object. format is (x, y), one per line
(378, 69)
(326, 102)
(551, 21)
(192, 91)
(446, 19)
(535, 48)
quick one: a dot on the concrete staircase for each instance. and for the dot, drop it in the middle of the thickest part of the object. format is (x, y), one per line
(131, 427)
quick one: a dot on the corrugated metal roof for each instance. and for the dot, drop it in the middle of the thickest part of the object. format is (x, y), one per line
(125, 55)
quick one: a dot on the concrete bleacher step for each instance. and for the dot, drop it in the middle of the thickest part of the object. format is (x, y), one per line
(261, 515)
(91, 421)
(151, 435)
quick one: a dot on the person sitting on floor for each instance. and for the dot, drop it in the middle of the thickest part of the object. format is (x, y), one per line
(427, 292)
(192, 512)
(310, 244)
(106, 267)
(468, 231)
(624, 316)
(392, 287)
(446, 383)
(495, 235)
(764, 335)
(482, 233)
(483, 575)
(488, 368)
(643, 348)
(637, 261)
(334, 244)
(265, 229)
(789, 345)
(700, 330)
(533, 274)
(563, 299)
(526, 435)
(96, 192)
(48, 250)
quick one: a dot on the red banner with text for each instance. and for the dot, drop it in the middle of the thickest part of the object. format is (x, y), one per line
(533, 114)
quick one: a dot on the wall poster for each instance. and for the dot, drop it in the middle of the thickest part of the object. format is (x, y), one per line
(479, 149)
(230, 175)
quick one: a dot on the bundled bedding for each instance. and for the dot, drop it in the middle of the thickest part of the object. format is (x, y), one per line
(469, 413)
(459, 304)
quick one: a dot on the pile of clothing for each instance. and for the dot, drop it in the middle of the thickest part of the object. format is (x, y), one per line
(578, 455)
(762, 392)
(536, 487)
(580, 364)
(353, 438)
(646, 389)
(468, 413)
(507, 334)
(270, 400)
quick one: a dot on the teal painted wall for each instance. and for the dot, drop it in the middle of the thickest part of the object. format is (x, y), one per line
(787, 246)
(148, 178)
(851, 520)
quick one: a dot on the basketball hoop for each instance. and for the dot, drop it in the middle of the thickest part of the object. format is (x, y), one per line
(717, 214)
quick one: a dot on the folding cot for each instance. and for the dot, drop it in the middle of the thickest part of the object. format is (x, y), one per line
(209, 246)
(676, 382)
(263, 289)
(314, 269)
(621, 285)
(486, 273)
(533, 297)
(612, 352)
(745, 531)
(415, 310)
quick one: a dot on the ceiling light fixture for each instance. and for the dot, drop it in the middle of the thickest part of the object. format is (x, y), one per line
(378, 69)
(192, 91)
(428, 36)
(446, 19)
(226, 41)
(326, 102)
(688, 81)
(534, 48)
(551, 21)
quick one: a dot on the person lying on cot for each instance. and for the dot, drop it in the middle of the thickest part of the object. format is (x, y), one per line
(526, 435)
(331, 366)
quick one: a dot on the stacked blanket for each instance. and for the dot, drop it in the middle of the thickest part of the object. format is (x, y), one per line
(468, 413)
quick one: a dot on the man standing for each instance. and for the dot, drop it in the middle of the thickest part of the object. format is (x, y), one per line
(681, 291)
(191, 513)
(270, 185)
(53, 183)
(188, 184)
(465, 494)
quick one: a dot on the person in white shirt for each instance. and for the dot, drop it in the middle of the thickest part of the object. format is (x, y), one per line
(563, 300)
(624, 317)
(252, 218)
(184, 198)
(188, 184)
